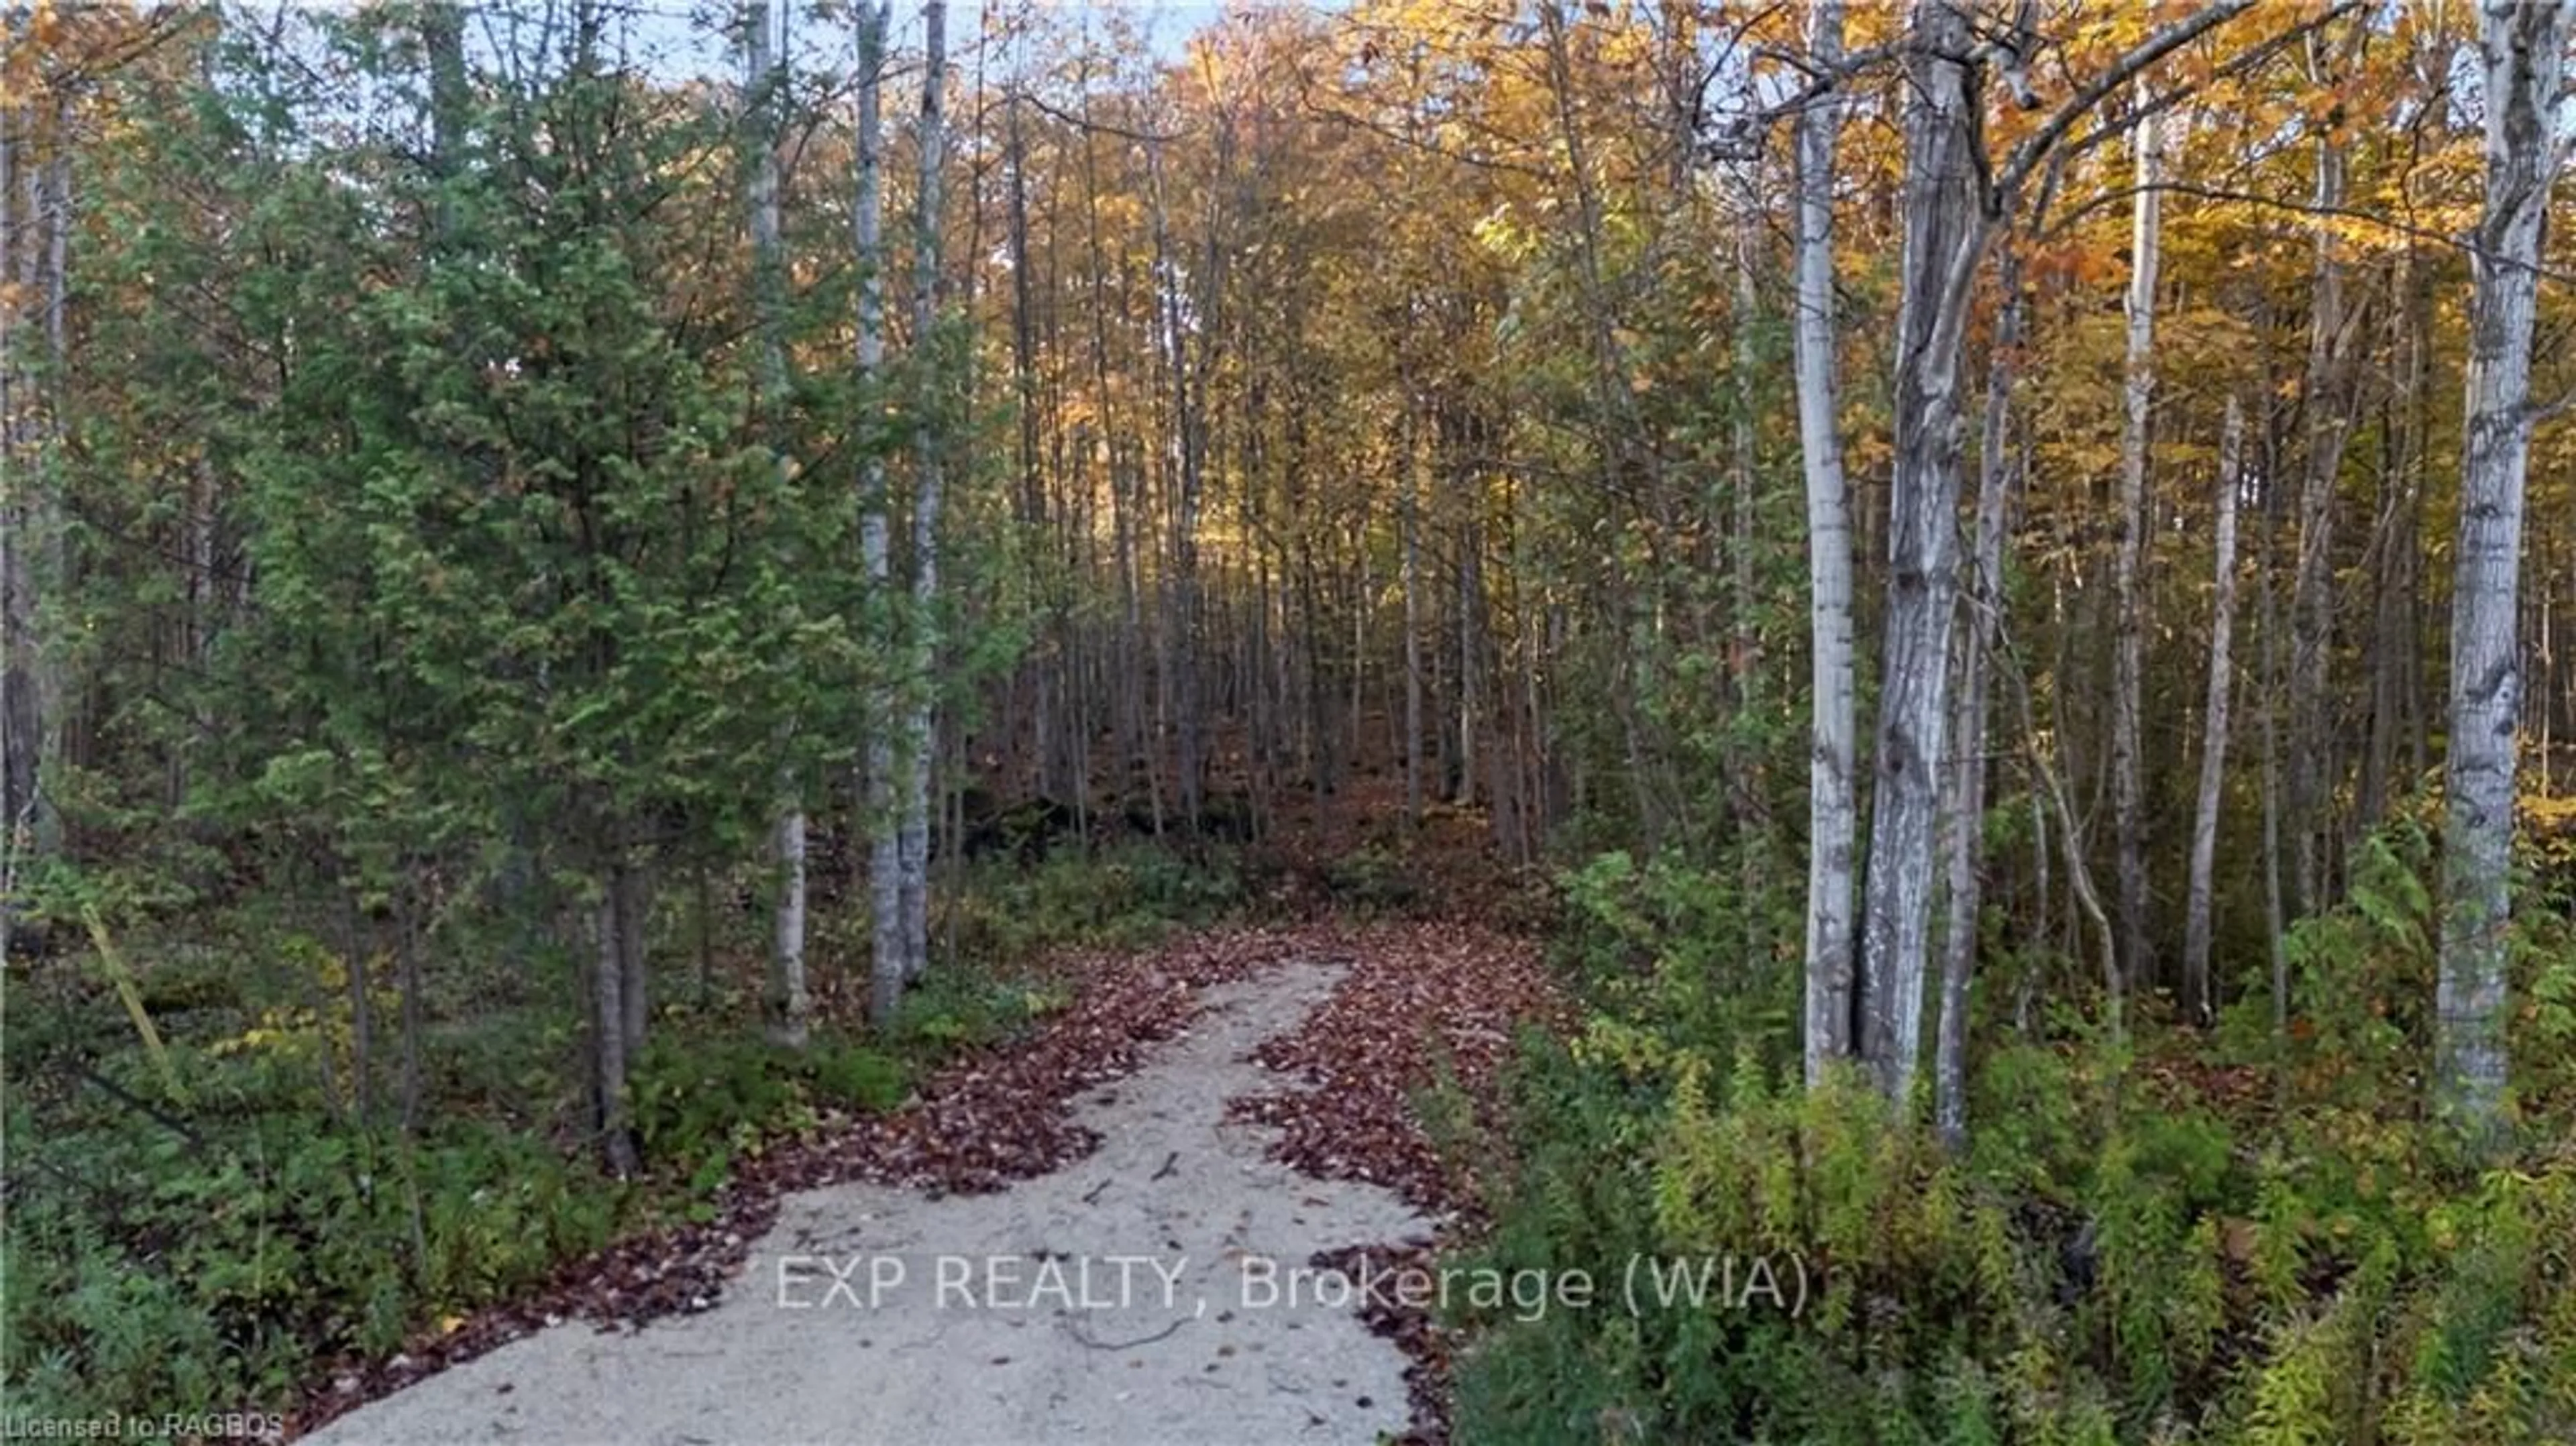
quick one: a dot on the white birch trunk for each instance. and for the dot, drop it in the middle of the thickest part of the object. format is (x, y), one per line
(764, 79)
(2197, 1001)
(2523, 51)
(1832, 814)
(877, 784)
(918, 727)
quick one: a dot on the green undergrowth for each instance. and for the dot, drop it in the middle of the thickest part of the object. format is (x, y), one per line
(2203, 1236)
(201, 1213)
(1126, 897)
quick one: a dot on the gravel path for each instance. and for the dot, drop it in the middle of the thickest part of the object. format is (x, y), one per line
(1142, 1295)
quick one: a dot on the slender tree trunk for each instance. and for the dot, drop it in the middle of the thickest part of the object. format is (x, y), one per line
(2275, 865)
(929, 438)
(442, 29)
(634, 916)
(19, 727)
(358, 949)
(608, 1025)
(764, 82)
(2523, 50)
(59, 742)
(1361, 588)
(2394, 548)
(1832, 812)
(1047, 660)
(2325, 404)
(1412, 523)
(2128, 783)
(1471, 650)
(1751, 806)
(35, 227)
(879, 802)
(1966, 812)
(414, 1020)
(1177, 657)
(2197, 1000)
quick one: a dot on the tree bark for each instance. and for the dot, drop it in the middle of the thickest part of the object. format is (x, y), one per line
(879, 802)
(2325, 402)
(929, 437)
(764, 81)
(634, 914)
(610, 1059)
(2197, 1000)
(2275, 901)
(1945, 228)
(19, 727)
(1411, 518)
(2128, 790)
(1189, 377)
(2522, 48)
(1832, 813)
(35, 230)
(1967, 808)
(1953, 199)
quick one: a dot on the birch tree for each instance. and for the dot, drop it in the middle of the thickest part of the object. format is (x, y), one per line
(2213, 756)
(928, 437)
(1954, 199)
(763, 89)
(764, 82)
(2522, 52)
(1832, 814)
(878, 793)
(2128, 664)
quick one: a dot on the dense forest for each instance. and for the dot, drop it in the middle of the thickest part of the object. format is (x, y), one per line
(595, 590)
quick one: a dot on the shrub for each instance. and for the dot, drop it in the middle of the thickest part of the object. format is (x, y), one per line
(1008, 914)
(2127, 1252)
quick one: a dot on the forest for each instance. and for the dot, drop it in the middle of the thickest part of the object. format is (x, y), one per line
(1916, 642)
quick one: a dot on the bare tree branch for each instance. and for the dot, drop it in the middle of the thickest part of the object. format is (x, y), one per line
(2035, 147)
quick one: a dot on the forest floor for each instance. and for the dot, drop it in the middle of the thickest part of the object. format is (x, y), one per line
(1090, 1234)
